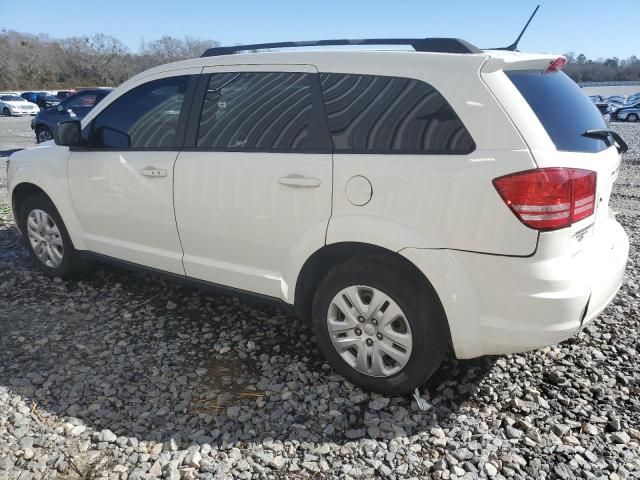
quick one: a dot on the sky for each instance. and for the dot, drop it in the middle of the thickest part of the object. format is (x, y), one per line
(592, 27)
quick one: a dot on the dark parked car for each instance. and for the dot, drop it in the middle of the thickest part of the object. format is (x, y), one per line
(73, 108)
(42, 99)
(64, 94)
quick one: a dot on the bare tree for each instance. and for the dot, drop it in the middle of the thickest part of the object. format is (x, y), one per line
(39, 62)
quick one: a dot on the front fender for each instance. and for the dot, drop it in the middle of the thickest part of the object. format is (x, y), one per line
(45, 167)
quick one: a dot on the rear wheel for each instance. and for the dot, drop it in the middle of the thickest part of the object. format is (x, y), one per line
(6, 111)
(632, 117)
(47, 238)
(378, 328)
(43, 134)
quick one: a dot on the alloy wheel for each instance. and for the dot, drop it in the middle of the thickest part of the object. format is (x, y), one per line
(45, 238)
(370, 331)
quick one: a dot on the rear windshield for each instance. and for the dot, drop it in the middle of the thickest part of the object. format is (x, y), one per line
(563, 109)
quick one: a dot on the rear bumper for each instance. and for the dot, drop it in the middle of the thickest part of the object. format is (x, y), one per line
(498, 305)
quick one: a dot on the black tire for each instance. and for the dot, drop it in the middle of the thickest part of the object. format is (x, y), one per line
(71, 262)
(42, 130)
(632, 117)
(419, 304)
(6, 112)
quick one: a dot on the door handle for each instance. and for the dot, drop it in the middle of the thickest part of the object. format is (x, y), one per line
(295, 180)
(153, 172)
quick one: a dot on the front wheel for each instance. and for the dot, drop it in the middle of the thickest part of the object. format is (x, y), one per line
(47, 238)
(6, 112)
(43, 134)
(378, 327)
(632, 117)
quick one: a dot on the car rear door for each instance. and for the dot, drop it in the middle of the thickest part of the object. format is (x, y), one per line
(253, 184)
(121, 182)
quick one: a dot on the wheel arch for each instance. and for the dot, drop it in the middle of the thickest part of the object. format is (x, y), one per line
(327, 257)
(26, 187)
(20, 193)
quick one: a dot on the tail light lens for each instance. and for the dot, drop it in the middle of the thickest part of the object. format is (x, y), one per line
(557, 64)
(549, 198)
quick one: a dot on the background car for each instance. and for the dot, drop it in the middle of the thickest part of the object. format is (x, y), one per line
(596, 98)
(43, 99)
(605, 110)
(635, 98)
(615, 99)
(628, 113)
(11, 104)
(64, 94)
(613, 106)
(32, 96)
(73, 108)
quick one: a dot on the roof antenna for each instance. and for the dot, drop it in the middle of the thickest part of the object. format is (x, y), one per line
(514, 46)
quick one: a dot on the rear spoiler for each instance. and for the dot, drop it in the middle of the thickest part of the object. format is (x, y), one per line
(502, 60)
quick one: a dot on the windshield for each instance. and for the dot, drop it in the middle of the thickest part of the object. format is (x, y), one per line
(563, 109)
(11, 98)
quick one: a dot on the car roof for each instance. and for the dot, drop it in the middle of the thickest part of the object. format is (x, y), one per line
(94, 90)
(325, 59)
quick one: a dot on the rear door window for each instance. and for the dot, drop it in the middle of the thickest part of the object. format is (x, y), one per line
(563, 109)
(261, 111)
(380, 114)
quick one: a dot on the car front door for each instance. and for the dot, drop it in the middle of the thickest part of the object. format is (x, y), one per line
(253, 183)
(121, 182)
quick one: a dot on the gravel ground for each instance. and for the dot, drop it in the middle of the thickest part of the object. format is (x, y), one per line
(120, 375)
(15, 132)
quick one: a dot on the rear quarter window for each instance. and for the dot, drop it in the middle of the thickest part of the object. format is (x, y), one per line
(380, 114)
(563, 109)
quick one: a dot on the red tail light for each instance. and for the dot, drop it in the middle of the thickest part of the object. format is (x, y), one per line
(557, 64)
(549, 198)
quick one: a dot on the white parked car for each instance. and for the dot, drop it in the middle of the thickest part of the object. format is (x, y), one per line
(12, 104)
(404, 203)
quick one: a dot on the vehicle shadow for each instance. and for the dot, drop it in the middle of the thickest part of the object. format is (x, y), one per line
(149, 359)
(6, 153)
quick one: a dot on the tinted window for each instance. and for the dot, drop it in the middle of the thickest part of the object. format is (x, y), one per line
(369, 113)
(81, 100)
(258, 111)
(145, 117)
(563, 109)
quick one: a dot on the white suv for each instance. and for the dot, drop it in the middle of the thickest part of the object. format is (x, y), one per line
(402, 202)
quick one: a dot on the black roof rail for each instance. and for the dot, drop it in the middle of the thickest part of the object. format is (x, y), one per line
(442, 45)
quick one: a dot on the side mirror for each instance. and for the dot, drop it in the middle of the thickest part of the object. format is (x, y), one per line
(60, 108)
(68, 134)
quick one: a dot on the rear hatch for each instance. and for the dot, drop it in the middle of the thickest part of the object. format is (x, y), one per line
(552, 113)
